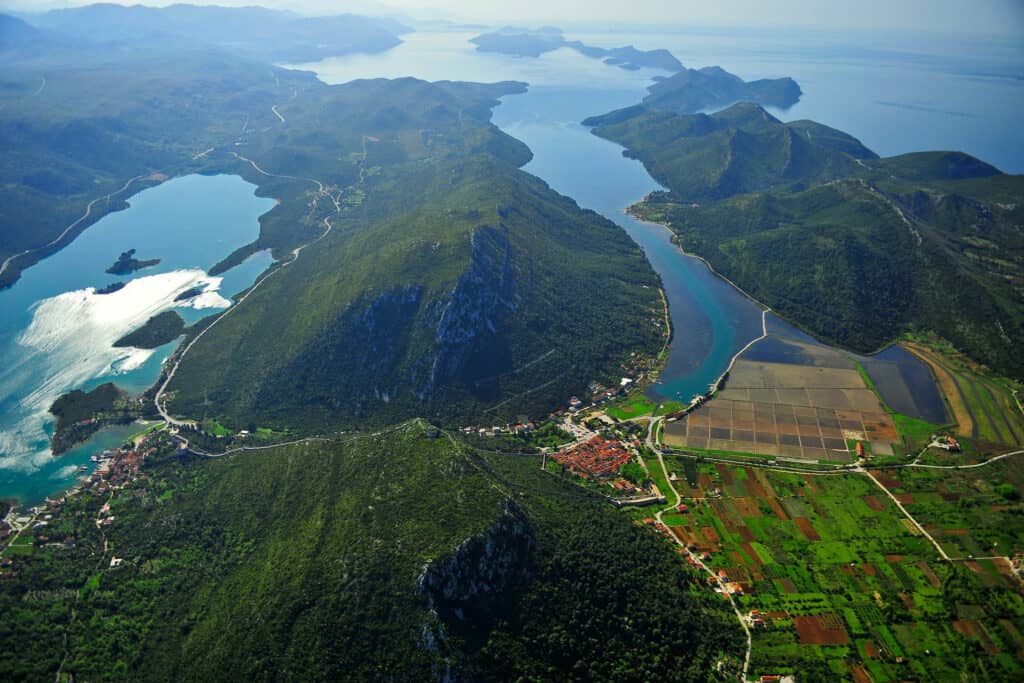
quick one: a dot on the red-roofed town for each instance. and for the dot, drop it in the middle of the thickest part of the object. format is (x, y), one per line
(598, 457)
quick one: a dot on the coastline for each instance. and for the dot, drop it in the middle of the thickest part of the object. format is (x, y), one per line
(629, 211)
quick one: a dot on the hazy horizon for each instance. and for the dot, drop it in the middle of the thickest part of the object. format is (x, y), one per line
(931, 16)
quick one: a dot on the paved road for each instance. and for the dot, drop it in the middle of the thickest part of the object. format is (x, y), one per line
(309, 439)
(88, 211)
(158, 399)
(905, 513)
(696, 560)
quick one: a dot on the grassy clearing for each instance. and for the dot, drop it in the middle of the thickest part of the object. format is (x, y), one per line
(669, 407)
(148, 430)
(658, 477)
(630, 407)
(18, 549)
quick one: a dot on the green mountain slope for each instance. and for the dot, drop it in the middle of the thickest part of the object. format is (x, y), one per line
(451, 284)
(856, 249)
(691, 90)
(740, 149)
(396, 556)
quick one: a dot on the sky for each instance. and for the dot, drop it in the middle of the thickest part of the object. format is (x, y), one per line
(942, 16)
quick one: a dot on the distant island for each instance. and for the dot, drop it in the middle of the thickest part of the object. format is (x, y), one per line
(686, 91)
(126, 264)
(524, 42)
(711, 87)
(691, 90)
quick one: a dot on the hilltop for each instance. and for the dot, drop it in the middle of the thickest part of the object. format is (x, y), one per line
(856, 249)
(740, 149)
(448, 282)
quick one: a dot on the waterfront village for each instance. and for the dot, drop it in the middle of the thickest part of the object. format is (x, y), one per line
(39, 527)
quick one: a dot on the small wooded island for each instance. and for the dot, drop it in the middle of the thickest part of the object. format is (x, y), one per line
(158, 330)
(126, 263)
(111, 288)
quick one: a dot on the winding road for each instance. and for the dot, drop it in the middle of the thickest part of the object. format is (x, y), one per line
(57, 240)
(159, 399)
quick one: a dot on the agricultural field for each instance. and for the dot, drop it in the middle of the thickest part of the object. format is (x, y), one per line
(972, 512)
(982, 404)
(846, 586)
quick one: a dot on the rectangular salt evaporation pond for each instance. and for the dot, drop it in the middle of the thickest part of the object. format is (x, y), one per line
(57, 334)
(904, 382)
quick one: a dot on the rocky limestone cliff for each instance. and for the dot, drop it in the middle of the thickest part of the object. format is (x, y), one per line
(482, 297)
(468, 590)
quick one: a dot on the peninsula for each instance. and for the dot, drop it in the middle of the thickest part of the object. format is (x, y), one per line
(857, 249)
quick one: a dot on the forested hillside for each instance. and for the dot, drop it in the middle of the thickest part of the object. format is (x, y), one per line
(855, 248)
(450, 284)
(397, 556)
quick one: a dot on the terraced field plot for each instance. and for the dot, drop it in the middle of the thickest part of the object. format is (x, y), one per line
(982, 406)
(790, 411)
(850, 592)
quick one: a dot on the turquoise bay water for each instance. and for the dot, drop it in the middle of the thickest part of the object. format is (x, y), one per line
(56, 333)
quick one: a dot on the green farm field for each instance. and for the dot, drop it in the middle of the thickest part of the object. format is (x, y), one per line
(850, 589)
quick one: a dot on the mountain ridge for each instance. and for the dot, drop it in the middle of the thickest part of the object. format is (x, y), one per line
(769, 204)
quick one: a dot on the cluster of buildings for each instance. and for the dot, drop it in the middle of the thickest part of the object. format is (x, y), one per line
(598, 457)
(117, 467)
(520, 428)
(599, 395)
(638, 364)
(720, 583)
(945, 442)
